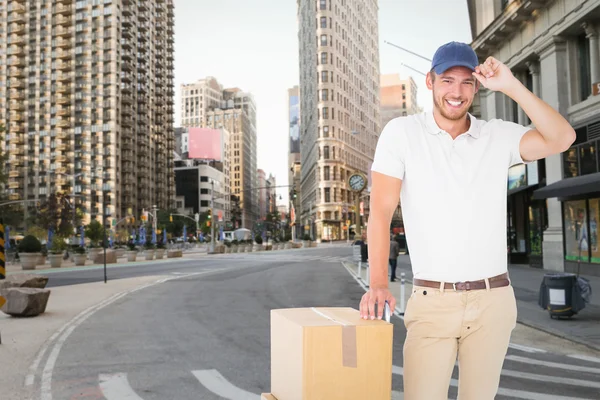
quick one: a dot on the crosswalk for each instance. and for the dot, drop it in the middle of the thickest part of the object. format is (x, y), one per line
(526, 375)
(283, 256)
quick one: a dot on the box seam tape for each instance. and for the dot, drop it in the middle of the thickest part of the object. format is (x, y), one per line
(349, 348)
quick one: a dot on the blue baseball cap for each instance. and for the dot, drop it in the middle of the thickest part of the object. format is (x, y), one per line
(454, 54)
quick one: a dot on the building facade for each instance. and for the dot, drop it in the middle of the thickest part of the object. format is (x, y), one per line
(553, 48)
(196, 98)
(294, 158)
(398, 97)
(87, 106)
(339, 103)
(262, 194)
(237, 114)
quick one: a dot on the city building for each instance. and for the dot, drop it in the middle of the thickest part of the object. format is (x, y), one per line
(271, 189)
(294, 159)
(206, 163)
(196, 98)
(553, 204)
(398, 97)
(88, 110)
(262, 194)
(237, 113)
(339, 104)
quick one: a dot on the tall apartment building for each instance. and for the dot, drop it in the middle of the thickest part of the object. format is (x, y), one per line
(398, 97)
(294, 158)
(197, 98)
(86, 96)
(237, 114)
(339, 94)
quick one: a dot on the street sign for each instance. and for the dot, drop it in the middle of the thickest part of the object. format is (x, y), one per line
(197, 216)
(114, 222)
(356, 255)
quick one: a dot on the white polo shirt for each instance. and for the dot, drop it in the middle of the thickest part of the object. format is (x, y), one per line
(453, 193)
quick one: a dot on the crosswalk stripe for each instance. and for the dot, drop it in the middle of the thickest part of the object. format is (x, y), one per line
(526, 349)
(216, 383)
(116, 387)
(585, 358)
(549, 364)
(517, 394)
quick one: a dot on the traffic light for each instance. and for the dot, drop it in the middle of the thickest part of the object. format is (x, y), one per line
(210, 213)
(295, 193)
(170, 218)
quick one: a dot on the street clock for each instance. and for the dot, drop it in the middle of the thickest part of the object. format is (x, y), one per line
(357, 182)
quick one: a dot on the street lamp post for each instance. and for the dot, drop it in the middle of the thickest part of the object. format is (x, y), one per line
(212, 223)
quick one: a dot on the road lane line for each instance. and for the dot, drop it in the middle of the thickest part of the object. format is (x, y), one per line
(117, 387)
(526, 349)
(549, 364)
(517, 394)
(219, 385)
(585, 358)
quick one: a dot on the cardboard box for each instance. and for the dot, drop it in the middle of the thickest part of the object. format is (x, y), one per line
(267, 396)
(330, 354)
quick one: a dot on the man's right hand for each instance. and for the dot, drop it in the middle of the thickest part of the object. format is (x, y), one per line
(379, 296)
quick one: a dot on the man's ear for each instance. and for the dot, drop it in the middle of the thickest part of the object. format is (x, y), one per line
(429, 80)
(477, 85)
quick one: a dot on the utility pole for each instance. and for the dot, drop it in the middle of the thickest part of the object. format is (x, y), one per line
(212, 222)
(154, 222)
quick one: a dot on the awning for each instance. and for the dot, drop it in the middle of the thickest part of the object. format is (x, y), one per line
(520, 189)
(579, 185)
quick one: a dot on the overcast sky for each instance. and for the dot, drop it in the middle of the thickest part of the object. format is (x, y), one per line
(253, 45)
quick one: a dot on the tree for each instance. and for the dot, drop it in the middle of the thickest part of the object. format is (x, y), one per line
(236, 211)
(11, 214)
(56, 213)
(95, 232)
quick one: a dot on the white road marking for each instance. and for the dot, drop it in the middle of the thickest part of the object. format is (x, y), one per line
(46, 380)
(585, 358)
(526, 349)
(517, 394)
(549, 364)
(551, 379)
(116, 387)
(216, 383)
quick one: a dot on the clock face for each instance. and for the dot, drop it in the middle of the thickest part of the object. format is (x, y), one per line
(357, 182)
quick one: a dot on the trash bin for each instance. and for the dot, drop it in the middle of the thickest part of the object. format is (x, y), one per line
(561, 295)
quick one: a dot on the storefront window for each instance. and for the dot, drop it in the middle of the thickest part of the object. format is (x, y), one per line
(536, 230)
(571, 167)
(587, 155)
(576, 231)
(594, 220)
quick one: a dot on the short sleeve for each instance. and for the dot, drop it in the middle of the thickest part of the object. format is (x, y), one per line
(512, 133)
(389, 153)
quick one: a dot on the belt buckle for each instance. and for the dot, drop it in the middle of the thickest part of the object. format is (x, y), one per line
(454, 286)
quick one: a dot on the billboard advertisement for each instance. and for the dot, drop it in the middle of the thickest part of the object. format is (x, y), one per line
(294, 124)
(205, 144)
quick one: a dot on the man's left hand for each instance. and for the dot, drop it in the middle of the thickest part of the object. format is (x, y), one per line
(494, 75)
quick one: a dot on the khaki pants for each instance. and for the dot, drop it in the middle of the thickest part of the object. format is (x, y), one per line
(443, 324)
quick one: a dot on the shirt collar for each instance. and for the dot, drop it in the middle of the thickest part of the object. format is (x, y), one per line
(434, 129)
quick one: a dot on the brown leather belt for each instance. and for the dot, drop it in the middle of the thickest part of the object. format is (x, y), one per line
(495, 281)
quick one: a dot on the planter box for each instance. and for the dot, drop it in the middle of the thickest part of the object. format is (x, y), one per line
(93, 253)
(55, 260)
(111, 257)
(174, 253)
(29, 260)
(149, 255)
(160, 254)
(79, 259)
(131, 255)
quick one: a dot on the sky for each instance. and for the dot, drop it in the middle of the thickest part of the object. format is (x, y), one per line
(253, 45)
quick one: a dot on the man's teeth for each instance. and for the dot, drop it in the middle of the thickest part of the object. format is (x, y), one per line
(454, 103)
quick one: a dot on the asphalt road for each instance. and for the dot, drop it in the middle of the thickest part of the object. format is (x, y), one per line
(206, 336)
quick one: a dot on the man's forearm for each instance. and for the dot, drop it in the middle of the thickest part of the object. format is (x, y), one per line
(553, 127)
(379, 247)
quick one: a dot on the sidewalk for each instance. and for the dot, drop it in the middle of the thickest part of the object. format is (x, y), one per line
(583, 328)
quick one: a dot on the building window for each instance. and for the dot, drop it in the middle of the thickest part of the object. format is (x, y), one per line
(581, 230)
(323, 4)
(324, 95)
(326, 175)
(204, 191)
(204, 203)
(324, 76)
(323, 40)
(323, 58)
(583, 56)
(325, 131)
(325, 113)
(204, 179)
(588, 158)
(326, 152)
(327, 195)
(323, 22)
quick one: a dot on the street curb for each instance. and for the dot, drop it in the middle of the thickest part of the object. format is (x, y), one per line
(558, 334)
(92, 267)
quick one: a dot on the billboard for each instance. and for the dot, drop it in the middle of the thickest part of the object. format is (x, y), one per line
(205, 144)
(294, 124)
